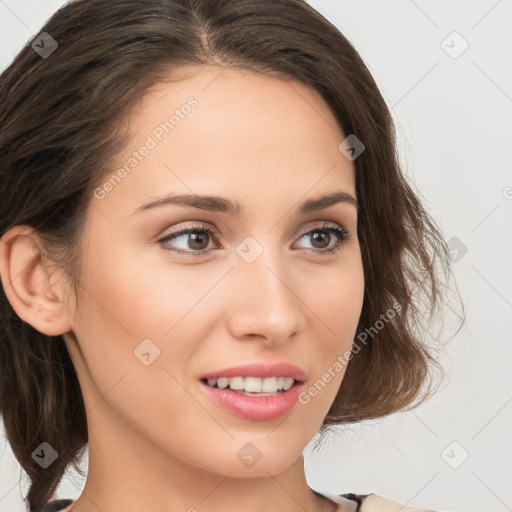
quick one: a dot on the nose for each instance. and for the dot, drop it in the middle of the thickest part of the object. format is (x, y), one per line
(266, 300)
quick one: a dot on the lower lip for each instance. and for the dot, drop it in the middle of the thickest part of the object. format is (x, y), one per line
(255, 407)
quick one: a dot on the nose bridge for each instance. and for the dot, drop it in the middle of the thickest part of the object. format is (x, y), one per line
(259, 265)
(264, 302)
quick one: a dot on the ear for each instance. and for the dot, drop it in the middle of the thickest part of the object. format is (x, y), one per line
(27, 285)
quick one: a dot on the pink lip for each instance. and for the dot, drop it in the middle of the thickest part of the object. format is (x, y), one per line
(260, 370)
(254, 407)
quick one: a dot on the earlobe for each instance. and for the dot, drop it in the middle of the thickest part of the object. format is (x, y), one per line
(26, 282)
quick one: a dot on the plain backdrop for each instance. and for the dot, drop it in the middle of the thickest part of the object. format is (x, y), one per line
(444, 68)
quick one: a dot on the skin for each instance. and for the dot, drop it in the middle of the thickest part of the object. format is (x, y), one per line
(156, 441)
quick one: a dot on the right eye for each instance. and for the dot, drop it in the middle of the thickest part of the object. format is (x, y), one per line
(197, 241)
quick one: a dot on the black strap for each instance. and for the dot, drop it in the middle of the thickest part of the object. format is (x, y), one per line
(53, 506)
(354, 497)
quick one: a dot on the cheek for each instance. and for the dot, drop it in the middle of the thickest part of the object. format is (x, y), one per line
(126, 314)
(141, 297)
(338, 299)
(336, 302)
(134, 307)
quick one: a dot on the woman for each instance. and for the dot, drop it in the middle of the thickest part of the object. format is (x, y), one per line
(209, 253)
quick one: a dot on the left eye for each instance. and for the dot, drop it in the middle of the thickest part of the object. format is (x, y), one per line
(198, 241)
(319, 235)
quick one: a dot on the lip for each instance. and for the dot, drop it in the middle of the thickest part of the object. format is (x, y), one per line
(258, 408)
(260, 370)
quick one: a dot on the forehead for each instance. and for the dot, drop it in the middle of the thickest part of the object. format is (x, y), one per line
(246, 132)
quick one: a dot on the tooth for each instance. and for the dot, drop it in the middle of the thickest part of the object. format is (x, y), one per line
(222, 382)
(288, 383)
(252, 384)
(236, 383)
(269, 385)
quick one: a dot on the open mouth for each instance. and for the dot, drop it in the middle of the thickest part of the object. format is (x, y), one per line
(253, 398)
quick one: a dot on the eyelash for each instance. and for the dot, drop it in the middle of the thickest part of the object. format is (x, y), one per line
(341, 233)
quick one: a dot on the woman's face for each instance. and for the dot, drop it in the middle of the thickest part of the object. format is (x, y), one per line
(253, 288)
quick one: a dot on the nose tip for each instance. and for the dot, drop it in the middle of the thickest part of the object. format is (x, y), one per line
(265, 306)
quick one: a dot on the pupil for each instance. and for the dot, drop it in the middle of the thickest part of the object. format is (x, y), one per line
(195, 237)
(319, 234)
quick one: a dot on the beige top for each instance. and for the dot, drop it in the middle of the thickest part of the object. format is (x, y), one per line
(372, 503)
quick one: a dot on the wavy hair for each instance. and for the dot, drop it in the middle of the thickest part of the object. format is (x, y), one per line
(62, 123)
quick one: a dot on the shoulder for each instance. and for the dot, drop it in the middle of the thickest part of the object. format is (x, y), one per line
(375, 503)
(370, 503)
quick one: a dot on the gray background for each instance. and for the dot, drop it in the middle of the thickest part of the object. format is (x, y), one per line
(453, 115)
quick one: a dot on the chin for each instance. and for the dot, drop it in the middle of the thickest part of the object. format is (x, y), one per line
(253, 459)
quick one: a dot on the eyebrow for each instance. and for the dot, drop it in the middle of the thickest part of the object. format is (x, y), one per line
(223, 205)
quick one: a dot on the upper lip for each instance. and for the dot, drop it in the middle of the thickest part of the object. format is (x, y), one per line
(260, 370)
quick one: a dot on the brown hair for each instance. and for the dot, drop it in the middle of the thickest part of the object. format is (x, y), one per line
(62, 124)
